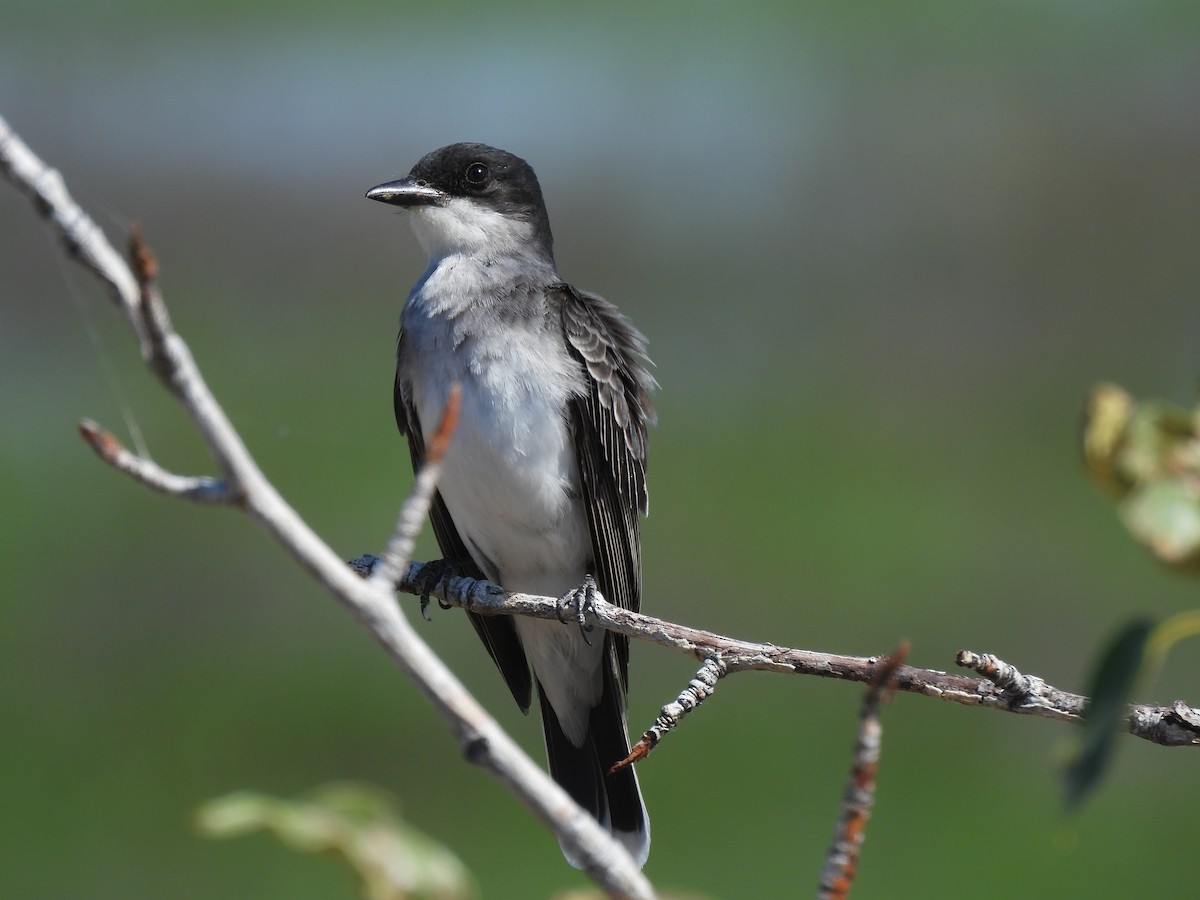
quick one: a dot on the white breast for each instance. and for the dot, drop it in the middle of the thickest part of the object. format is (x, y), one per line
(510, 478)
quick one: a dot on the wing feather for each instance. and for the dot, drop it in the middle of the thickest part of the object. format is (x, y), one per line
(610, 419)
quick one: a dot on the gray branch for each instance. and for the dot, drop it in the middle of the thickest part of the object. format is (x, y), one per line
(81, 238)
(1002, 686)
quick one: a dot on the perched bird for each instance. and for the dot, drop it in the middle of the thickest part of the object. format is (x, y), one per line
(544, 481)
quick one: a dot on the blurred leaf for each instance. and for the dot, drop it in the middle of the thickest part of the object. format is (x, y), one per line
(1109, 409)
(1147, 454)
(1165, 516)
(357, 823)
(1110, 689)
(1159, 434)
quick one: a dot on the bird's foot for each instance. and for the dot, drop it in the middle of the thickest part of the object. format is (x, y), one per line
(433, 573)
(579, 600)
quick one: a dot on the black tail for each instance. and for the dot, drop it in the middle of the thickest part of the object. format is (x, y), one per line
(614, 800)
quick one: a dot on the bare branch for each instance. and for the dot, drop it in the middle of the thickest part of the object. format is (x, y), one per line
(199, 488)
(841, 862)
(1177, 725)
(699, 689)
(81, 238)
(1174, 726)
(372, 603)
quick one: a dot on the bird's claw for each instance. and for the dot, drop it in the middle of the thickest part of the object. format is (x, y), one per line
(433, 574)
(581, 600)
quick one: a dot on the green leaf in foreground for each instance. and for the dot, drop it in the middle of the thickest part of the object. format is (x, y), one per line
(1111, 687)
(357, 824)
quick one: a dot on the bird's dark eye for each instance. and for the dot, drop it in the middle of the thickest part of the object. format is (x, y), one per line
(477, 173)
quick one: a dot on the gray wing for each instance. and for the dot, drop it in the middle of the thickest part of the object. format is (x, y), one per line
(609, 421)
(498, 633)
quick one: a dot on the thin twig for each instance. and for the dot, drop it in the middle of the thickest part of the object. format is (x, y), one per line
(200, 488)
(841, 861)
(699, 689)
(82, 239)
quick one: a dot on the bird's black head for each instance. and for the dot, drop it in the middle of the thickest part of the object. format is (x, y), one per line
(470, 185)
(496, 177)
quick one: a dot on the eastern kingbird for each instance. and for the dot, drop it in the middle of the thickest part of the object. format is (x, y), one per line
(545, 478)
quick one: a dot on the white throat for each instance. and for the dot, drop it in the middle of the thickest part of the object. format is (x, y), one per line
(463, 227)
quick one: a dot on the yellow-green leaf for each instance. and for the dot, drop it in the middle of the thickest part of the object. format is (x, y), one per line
(357, 824)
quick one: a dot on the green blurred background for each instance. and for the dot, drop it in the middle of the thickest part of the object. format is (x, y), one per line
(881, 251)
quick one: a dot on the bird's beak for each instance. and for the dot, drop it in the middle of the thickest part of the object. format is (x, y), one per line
(406, 192)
